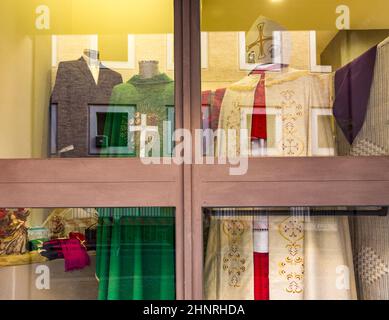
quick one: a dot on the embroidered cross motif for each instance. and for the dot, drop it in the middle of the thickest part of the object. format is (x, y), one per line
(260, 42)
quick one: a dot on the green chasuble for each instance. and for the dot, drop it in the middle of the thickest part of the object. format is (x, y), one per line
(153, 98)
(136, 254)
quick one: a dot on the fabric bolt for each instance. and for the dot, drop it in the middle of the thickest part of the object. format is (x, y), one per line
(74, 91)
(152, 97)
(136, 254)
(352, 92)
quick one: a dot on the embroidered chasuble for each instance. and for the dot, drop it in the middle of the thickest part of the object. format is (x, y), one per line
(370, 234)
(298, 110)
(310, 258)
(228, 269)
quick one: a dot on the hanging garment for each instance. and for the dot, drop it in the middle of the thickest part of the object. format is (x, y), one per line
(236, 114)
(298, 114)
(228, 268)
(370, 234)
(74, 91)
(373, 139)
(328, 262)
(135, 254)
(13, 231)
(310, 258)
(152, 97)
(286, 257)
(352, 91)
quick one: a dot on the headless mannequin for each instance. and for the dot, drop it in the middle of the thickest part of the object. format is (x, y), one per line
(92, 60)
(148, 69)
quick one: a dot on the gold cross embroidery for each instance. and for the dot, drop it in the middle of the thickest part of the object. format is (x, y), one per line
(260, 41)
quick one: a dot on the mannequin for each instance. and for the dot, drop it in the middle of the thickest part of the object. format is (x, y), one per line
(148, 69)
(92, 59)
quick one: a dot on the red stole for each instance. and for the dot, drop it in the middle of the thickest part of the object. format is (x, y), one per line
(259, 125)
(261, 258)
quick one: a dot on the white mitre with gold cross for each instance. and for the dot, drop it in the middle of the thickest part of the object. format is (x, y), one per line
(267, 42)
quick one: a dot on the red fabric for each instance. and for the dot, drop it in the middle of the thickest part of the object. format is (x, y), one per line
(205, 98)
(259, 125)
(261, 276)
(75, 255)
(215, 110)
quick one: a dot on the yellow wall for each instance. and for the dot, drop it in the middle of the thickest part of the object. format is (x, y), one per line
(16, 65)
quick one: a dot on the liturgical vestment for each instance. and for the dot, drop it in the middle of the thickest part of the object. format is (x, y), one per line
(370, 235)
(298, 115)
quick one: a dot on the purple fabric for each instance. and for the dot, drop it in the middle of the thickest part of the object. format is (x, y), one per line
(352, 92)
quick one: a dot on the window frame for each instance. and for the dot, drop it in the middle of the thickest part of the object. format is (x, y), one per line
(51, 183)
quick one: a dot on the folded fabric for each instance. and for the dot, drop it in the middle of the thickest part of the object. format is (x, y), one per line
(352, 92)
(74, 253)
(52, 250)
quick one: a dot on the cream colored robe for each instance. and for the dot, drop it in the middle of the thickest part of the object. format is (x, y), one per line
(371, 234)
(299, 122)
(309, 257)
(228, 266)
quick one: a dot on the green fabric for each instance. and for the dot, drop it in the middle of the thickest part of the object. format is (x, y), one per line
(153, 97)
(136, 254)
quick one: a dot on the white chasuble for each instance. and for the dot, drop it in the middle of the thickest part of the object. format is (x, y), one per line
(228, 270)
(298, 107)
(286, 257)
(328, 260)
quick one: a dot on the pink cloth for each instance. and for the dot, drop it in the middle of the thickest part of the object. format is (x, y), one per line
(75, 255)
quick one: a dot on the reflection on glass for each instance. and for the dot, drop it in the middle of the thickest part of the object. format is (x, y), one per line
(276, 84)
(87, 254)
(67, 62)
(296, 253)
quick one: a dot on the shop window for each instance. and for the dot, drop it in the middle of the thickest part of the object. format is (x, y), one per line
(296, 253)
(87, 254)
(86, 78)
(295, 79)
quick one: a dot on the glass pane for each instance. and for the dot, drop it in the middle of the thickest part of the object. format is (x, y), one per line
(296, 253)
(87, 254)
(85, 78)
(295, 78)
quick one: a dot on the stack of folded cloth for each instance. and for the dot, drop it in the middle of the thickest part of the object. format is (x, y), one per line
(73, 250)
